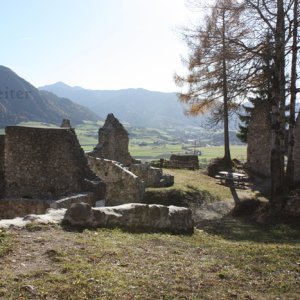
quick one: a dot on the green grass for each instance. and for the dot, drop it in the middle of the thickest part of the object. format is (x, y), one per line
(237, 151)
(188, 181)
(154, 151)
(111, 264)
(5, 243)
(208, 153)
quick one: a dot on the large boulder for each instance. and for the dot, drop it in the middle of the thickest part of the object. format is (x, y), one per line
(132, 216)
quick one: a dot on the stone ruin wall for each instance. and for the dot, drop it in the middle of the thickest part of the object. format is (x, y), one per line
(259, 141)
(21, 207)
(152, 177)
(122, 186)
(184, 162)
(297, 151)
(113, 142)
(44, 163)
(113, 145)
(2, 174)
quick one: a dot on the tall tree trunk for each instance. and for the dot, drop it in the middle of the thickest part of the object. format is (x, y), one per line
(227, 155)
(290, 180)
(278, 108)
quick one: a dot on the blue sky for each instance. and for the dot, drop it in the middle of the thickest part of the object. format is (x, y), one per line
(98, 44)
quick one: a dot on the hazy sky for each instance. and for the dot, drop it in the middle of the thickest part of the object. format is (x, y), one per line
(99, 44)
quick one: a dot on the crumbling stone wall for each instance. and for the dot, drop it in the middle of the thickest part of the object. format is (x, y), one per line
(66, 123)
(2, 174)
(152, 177)
(44, 163)
(297, 150)
(122, 186)
(20, 207)
(184, 162)
(113, 142)
(259, 140)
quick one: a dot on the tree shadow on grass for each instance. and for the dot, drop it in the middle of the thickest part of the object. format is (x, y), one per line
(238, 225)
(243, 229)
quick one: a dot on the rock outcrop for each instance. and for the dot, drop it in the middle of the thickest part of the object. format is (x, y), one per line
(132, 216)
(113, 142)
(122, 186)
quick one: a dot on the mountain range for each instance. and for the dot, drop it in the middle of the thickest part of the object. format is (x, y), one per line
(21, 101)
(138, 107)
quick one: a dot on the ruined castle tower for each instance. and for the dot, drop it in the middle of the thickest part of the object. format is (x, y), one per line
(259, 140)
(113, 142)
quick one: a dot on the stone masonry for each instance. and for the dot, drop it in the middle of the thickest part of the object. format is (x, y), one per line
(259, 141)
(184, 162)
(113, 142)
(66, 123)
(2, 175)
(297, 151)
(152, 177)
(113, 145)
(46, 163)
(133, 216)
(122, 186)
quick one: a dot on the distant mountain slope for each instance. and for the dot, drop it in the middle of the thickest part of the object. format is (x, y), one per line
(21, 101)
(139, 107)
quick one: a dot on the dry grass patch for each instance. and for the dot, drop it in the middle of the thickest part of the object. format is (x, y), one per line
(214, 263)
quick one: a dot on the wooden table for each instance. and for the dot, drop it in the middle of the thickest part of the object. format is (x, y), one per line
(226, 177)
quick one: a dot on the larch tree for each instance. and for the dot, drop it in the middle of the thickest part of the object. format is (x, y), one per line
(216, 74)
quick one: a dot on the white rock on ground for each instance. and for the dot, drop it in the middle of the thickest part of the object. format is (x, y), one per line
(53, 216)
